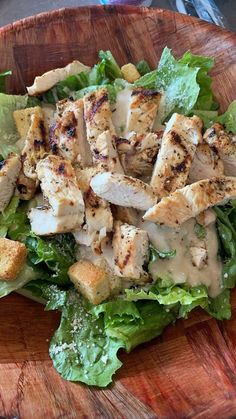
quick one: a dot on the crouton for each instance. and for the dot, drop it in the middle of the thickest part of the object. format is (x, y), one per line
(92, 281)
(130, 72)
(22, 118)
(12, 258)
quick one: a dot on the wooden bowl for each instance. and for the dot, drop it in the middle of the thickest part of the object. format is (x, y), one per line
(190, 371)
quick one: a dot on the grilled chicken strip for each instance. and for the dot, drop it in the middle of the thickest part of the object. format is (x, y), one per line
(100, 130)
(105, 153)
(142, 110)
(131, 250)
(67, 135)
(97, 113)
(44, 222)
(123, 190)
(225, 144)
(191, 200)
(36, 147)
(181, 136)
(9, 171)
(98, 216)
(206, 164)
(138, 153)
(26, 187)
(50, 78)
(59, 186)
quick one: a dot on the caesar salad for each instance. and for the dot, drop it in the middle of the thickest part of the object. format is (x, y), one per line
(117, 203)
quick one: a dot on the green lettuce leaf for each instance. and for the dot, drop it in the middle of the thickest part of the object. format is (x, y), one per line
(177, 82)
(112, 69)
(85, 346)
(205, 98)
(27, 274)
(54, 297)
(3, 80)
(220, 307)
(208, 117)
(160, 254)
(226, 227)
(185, 84)
(80, 349)
(186, 297)
(54, 254)
(7, 217)
(134, 323)
(8, 133)
(200, 231)
(14, 222)
(229, 118)
(143, 67)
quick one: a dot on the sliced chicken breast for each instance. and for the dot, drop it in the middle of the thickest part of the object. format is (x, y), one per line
(50, 78)
(123, 190)
(138, 153)
(142, 110)
(191, 200)
(59, 186)
(98, 215)
(131, 251)
(26, 187)
(36, 147)
(206, 164)
(225, 145)
(105, 153)
(68, 136)
(97, 113)
(124, 214)
(206, 217)
(178, 146)
(44, 222)
(9, 171)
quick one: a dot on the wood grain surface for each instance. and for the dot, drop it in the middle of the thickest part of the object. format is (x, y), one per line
(190, 371)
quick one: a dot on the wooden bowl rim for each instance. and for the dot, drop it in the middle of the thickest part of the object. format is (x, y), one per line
(65, 12)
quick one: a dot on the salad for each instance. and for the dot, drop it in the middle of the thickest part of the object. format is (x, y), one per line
(117, 203)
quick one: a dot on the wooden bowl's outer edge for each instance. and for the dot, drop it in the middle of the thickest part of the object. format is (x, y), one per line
(51, 15)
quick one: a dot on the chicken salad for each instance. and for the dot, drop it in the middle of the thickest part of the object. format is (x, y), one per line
(118, 203)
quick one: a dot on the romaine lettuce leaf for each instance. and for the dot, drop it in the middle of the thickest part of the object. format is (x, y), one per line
(80, 349)
(205, 99)
(176, 81)
(112, 70)
(56, 254)
(229, 118)
(54, 296)
(136, 322)
(8, 133)
(226, 226)
(220, 307)
(27, 274)
(85, 346)
(208, 117)
(200, 231)
(160, 254)
(143, 67)
(182, 295)
(14, 222)
(185, 83)
(3, 79)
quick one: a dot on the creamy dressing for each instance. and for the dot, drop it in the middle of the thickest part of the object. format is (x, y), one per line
(180, 268)
(120, 111)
